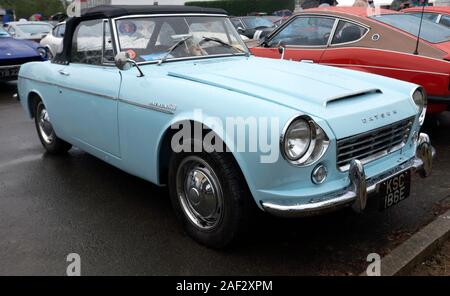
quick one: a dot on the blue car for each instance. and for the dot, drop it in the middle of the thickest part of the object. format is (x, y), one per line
(172, 95)
(14, 53)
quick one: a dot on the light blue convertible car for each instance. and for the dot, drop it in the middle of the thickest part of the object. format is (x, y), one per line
(172, 95)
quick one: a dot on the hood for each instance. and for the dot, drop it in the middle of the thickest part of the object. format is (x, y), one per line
(11, 48)
(340, 97)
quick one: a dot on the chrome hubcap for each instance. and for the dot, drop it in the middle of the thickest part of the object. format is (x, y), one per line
(45, 127)
(199, 192)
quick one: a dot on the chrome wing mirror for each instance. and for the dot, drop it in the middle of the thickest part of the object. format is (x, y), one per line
(124, 62)
(281, 49)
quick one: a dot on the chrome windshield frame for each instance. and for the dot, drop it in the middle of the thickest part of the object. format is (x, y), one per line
(134, 16)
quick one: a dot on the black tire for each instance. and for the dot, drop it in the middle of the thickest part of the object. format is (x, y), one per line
(237, 206)
(48, 138)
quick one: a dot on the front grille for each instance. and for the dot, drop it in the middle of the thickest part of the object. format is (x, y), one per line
(374, 144)
(20, 61)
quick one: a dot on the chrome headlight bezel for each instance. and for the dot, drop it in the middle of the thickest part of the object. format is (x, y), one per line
(318, 142)
(42, 52)
(420, 99)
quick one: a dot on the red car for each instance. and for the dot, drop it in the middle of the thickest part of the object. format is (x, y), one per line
(384, 43)
(437, 14)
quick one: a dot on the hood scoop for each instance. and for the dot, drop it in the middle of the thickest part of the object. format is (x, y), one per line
(351, 95)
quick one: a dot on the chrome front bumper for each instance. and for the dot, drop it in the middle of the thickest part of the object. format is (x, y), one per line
(356, 194)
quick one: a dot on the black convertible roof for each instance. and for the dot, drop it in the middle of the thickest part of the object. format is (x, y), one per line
(113, 11)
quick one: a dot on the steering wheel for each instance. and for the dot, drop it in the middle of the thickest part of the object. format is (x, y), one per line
(326, 36)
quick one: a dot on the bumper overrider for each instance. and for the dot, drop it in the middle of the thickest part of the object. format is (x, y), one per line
(360, 188)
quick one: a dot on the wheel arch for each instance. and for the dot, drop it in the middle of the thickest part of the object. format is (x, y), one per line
(33, 98)
(164, 151)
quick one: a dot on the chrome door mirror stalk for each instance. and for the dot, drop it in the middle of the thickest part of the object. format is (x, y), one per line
(281, 50)
(124, 63)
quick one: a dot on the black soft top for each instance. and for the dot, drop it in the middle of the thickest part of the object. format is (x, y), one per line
(113, 11)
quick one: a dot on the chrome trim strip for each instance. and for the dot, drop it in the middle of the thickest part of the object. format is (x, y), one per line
(167, 14)
(149, 106)
(10, 67)
(71, 88)
(333, 31)
(194, 58)
(352, 193)
(393, 51)
(379, 67)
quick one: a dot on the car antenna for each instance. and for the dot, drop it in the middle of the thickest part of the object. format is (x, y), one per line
(423, 2)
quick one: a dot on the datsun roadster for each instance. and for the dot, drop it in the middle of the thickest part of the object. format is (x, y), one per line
(129, 78)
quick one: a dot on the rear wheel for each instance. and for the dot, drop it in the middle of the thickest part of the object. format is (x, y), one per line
(209, 197)
(46, 133)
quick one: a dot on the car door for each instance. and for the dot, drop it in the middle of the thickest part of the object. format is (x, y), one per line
(305, 38)
(89, 88)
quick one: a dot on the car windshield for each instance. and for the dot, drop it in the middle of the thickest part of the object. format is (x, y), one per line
(149, 39)
(34, 29)
(431, 32)
(3, 33)
(257, 22)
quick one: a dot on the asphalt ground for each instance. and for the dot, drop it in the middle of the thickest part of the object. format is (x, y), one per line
(121, 225)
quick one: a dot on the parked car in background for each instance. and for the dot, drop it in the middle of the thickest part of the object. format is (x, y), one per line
(248, 25)
(437, 14)
(283, 13)
(339, 136)
(53, 40)
(383, 44)
(14, 53)
(28, 30)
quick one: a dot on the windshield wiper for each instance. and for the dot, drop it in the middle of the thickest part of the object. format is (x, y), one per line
(175, 46)
(217, 40)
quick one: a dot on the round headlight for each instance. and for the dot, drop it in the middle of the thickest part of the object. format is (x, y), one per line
(303, 142)
(42, 52)
(297, 139)
(420, 99)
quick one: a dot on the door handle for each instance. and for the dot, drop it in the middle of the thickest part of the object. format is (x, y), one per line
(62, 72)
(307, 61)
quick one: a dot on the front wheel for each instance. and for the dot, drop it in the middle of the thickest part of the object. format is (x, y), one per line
(209, 197)
(49, 140)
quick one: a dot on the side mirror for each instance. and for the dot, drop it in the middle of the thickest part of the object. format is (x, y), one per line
(281, 50)
(265, 41)
(124, 63)
(240, 29)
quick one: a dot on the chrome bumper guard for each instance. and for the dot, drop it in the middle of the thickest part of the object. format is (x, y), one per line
(356, 194)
